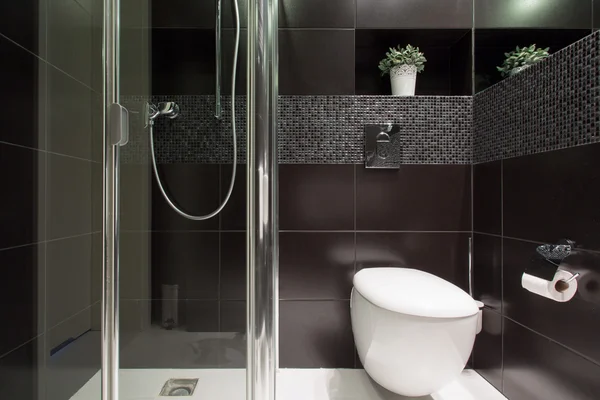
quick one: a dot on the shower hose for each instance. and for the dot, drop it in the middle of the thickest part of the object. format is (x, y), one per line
(233, 132)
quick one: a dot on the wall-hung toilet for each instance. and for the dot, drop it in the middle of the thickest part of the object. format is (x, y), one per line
(414, 332)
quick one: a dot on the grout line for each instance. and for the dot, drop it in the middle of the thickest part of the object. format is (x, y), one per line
(41, 242)
(367, 231)
(47, 151)
(21, 345)
(502, 274)
(89, 307)
(597, 363)
(315, 299)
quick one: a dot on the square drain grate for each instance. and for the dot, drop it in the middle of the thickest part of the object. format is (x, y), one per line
(179, 387)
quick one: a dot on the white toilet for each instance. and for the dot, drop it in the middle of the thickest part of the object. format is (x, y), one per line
(414, 332)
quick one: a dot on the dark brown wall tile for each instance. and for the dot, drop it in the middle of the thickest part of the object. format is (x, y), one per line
(415, 14)
(233, 266)
(441, 254)
(574, 324)
(536, 368)
(233, 216)
(194, 188)
(487, 197)
(202, 316)
(487, 353)
(306, 65)
(316, 14)
(316, 265)
(415, 198)
(183, 14)
(487, 270)
(189, 259)
(19, 372)
(232, 315)
(553, 195)
(315, 334)
(316, 197)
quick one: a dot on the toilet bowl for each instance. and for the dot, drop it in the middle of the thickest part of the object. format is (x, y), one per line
(414, 332)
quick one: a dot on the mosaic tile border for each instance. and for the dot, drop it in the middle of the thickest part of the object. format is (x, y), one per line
(549, 106)
(318, 130)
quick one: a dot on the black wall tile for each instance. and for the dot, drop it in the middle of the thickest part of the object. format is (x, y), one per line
(562, 183)
(23, 303)
(461, 66)
(487, 352)
(228, 16)
(565, 14)
(194, 188)
(574, 324)
(441, 254)
(536, 368)
(233, 265)
(316, 197)
(25, 24)
(23, 198)
(487, 197)
(189, 259)
(228, 47)
(596, 14)
(233, 316)
(487, 270)
(315, 62)
(176, 68)
(23, 124)
(414, 14)
(19, 372)
(415, 197)
(316, 14)
(316, 265)
(184, 14)
(233, 216)
(201, 316)
(315, 334)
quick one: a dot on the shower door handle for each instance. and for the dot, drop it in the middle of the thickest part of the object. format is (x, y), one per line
(118, 124)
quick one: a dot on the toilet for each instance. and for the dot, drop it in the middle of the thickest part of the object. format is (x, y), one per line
(414, 332)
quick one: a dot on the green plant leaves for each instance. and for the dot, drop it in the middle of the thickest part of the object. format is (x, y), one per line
(408, 55)
(520, 57)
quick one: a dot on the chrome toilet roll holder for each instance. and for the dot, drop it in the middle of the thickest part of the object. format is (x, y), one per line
(556, 253)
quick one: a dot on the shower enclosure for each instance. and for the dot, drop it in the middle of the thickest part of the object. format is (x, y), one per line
(135, 324)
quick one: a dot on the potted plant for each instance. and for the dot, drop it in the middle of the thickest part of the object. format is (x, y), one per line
(522, 58)
(402, 64)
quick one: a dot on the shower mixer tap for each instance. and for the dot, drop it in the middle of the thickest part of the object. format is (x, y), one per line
(167, 108)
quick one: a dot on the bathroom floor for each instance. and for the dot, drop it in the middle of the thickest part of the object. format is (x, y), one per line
(292, 384)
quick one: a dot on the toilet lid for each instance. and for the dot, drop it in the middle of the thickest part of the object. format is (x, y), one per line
(413, 292)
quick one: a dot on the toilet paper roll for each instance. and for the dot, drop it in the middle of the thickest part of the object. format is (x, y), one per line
(555, 290)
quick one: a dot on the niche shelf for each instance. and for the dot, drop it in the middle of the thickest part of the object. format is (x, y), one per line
(448, 52)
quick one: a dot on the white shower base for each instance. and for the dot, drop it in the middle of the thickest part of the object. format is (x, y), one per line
(292, 384)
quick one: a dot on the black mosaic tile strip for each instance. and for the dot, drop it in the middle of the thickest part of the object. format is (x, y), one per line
(319, 129)
(549, 106)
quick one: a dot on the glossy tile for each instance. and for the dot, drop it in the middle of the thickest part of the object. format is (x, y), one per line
(487, 270)
(189, 259)
(21, 372)
(414, 14)
(561, 182)
(560, 14)
(66, 297)
(194, 188)
(316, 14)
(415, 198)
(24, 199)
(176, 69)
(69, 201)
(27, 92)
(574, 323)
(71, 133)
(315, 334)
(233, 266)
(70, 31)
(183, 14)
(201, 316)
(232, 315)
(487, 197)
(233, 216)
(536, 368)
(228, 47)
(306, 66)
(228, 16)
(441, 254)
(137, 199)
(316, 266)
(25, 24)
(316, 197)
(22, 288)
(487, 352)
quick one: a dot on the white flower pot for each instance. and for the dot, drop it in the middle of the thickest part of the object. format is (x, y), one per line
(404, 80)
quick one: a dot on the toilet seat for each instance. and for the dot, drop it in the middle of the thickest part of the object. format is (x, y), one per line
(413, 292)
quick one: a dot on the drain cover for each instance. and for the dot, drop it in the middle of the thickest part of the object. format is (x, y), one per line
(179, 387)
